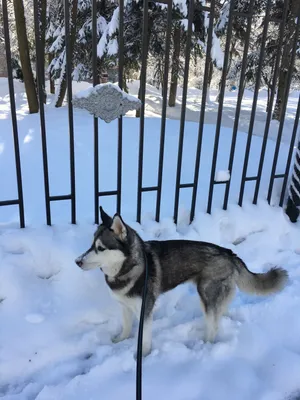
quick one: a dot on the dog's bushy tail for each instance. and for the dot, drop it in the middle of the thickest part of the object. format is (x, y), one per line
(262, 284)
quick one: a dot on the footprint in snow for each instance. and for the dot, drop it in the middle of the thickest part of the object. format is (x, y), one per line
(34, 318)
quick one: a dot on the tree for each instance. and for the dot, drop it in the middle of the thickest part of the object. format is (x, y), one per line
(179, 38)
(80, 40)
(175, 64)
(23, 45)
(290, 31)
(42, 11)
(238, 36)
(63, 74)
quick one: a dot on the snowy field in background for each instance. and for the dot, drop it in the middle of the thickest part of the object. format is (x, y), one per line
(56, 320)
(58, 158)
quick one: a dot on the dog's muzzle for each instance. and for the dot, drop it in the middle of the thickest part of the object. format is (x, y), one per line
(79, 262)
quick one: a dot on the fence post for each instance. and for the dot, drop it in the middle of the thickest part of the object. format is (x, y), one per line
(294, 191)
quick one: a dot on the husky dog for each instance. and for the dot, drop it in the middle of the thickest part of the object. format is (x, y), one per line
(216, 271)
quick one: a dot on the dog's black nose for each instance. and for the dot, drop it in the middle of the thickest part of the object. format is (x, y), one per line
(79, 262)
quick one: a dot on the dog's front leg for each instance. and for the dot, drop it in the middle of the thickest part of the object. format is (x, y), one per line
(127, 317)
(147, 335)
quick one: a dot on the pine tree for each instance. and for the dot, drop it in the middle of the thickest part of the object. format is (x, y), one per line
(238, 35)
(289, 37)
(80, 40)
(23, 45)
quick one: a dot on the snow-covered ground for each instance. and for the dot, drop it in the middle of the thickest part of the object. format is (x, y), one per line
(56, 321)
(154, 104)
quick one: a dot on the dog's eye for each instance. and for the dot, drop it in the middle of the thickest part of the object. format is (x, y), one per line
(99, 248)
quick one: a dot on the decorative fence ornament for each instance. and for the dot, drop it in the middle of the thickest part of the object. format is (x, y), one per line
(106, 101)
(293, 203)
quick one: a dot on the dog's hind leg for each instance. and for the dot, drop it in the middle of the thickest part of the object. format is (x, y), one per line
(215, 297)
(127, 319)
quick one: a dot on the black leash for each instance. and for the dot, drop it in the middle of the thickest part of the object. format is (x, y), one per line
(139, 355)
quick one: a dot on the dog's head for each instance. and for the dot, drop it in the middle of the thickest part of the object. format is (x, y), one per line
(109, 248)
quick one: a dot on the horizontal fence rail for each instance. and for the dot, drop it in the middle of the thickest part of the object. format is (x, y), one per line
(200, 17)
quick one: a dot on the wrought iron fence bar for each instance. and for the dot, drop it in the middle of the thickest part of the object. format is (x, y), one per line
(20, 201)
(61, 197)
(69, 68)
(149, 189)
(243, 14)
(271, 101)
(220, 182)
(142, 112)
(42, 111)
(239, 103)
(202, 112)
(201, 6)
(254, 104)
(10, 203)
(186, 185)
(68, 55)
(220, 109)
(290, 155)
(96, 128)
(120, 119)
(205, 8)
(250, 178)
(164, 110)
(183, 107)
(108, 193)
(285, 101)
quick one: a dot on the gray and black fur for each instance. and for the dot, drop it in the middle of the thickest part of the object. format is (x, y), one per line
(216, 271)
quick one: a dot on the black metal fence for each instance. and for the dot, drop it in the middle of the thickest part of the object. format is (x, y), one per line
(210, 10)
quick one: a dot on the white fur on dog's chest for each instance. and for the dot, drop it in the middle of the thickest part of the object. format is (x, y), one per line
(133, 303)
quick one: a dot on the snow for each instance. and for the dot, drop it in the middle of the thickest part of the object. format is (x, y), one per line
(109, 29)
(224, 15)
(57, 320)
(92, 89)
(112, 47)
(182, 6)
(217, 53)
(101, 46)
(114, 22)
(154, 101)
(67, 318)
(58, 152)
(184, 22)
(222, 176)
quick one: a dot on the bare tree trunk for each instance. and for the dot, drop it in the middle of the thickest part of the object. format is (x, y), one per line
(29, 83)
(210, 75)
(269, 97)
(150, 25)
(63, 75)
(232, 50)
(219, 91)
(175, 66)
(286, 59)
(138, 111)
(125, 87)
(43, 15)
(52, 81)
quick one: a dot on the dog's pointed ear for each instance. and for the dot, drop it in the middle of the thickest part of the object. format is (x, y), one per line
(106, 219)
(118, 227)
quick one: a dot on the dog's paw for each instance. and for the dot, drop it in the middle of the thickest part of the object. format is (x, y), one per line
(119, 338)
(145, 353)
